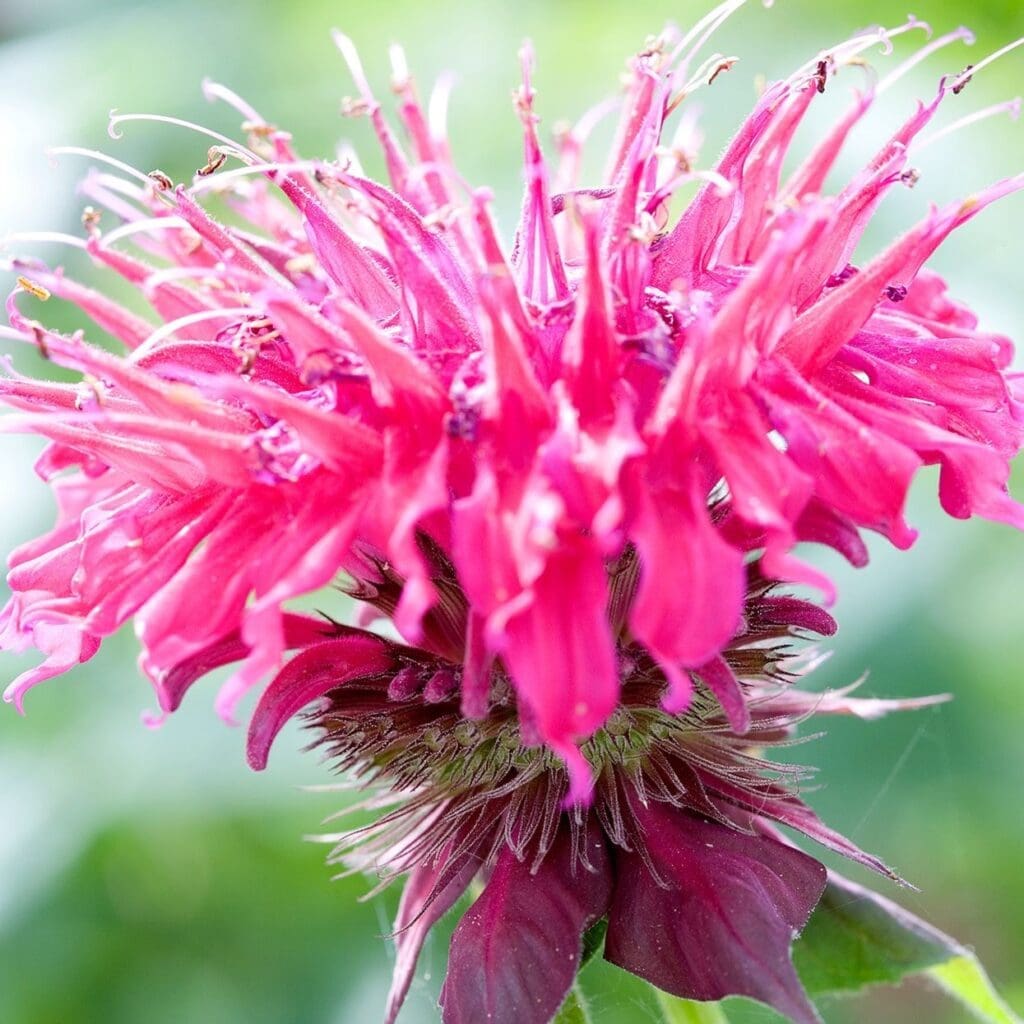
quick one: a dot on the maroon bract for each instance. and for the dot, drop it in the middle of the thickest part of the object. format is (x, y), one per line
(676, 847)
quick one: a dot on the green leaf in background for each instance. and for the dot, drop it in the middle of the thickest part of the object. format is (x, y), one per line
(857, 938)
(684, 1011)
(574, 1009)
(965, 979)
(593, 942)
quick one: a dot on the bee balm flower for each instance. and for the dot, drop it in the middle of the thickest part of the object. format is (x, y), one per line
(569, 473)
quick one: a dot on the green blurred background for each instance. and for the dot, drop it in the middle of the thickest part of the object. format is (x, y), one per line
(149, 877)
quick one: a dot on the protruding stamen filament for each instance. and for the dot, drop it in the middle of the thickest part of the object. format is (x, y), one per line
(964, 34)
(173, 326)
(699, 35)
(437, 108)
(103, 158)
(1011, 107)
(215, 91)
(350, 55)
(847, 52)
(147, 224)
(242, 152)
(705, 75)
(957, 84)
(222, 179)
(45, 237)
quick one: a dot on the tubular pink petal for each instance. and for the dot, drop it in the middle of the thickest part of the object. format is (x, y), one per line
(64, 645)
(682, 554)
(348, 263)
(309, 675)
(590, 353)
(847, 308)
(172, 684)
(558, 650)
(535, 253)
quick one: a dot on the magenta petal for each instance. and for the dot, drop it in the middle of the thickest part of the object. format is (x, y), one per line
(516, 951)
(307, 676)
(431, 891)
(172, 685)
(796, 614)
(683, 555)
(64, 645)
(723, 923)
(824, 525)
(558, 649)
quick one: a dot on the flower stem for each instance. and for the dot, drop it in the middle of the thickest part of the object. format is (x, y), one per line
(685, 1011)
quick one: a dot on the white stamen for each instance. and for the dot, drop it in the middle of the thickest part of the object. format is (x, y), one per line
(107, 190)
(171, 274)
(437, 107)
(1011, 107)
(146, 224)
(10, 334)
(95, 154)
(923, 54)
(582, 129)
(119, 185)
(215, 91)
(346, 156)
(221, 179)
(699, 35)
(965, 76)
(400, 78)
(703, 76)
(58, 237)
(355, 66)
(844, 52)
(173, 326)
(242, 152)
(664, 192)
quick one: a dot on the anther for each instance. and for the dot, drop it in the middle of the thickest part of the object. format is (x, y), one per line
(39, 334)
(354, 106)
(33, 289)
(962, 80)
(440, 686)
(910, 177)
(841, 277)
(442, 218)
(896, 292)
(91, 221)
(91, 394)
(821, 74)
(653, 46)
(260, 129)
(161, 180)
(723, 65)
(215, 158)
(304, 263)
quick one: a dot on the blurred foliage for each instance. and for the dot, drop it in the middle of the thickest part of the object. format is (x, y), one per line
(148, 876)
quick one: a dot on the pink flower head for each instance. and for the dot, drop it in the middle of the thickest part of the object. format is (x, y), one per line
(360, 370)
(571, 475)
(366, 367)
